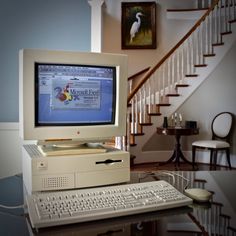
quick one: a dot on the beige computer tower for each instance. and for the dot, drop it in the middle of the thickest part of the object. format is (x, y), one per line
(51, 173)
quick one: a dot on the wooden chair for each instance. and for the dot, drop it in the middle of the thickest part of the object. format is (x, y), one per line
(221, 127)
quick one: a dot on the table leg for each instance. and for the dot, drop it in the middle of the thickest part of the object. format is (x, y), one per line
(177, 154)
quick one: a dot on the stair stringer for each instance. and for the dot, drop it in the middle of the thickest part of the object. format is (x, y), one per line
(194, 82)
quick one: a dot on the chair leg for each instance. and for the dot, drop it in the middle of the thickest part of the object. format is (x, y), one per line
(228, 157)
(193, 156)
(215, 158)
(211, 158)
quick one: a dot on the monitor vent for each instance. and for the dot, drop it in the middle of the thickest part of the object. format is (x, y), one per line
(56, 182)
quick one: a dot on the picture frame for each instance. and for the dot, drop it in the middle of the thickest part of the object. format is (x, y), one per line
(138, 25)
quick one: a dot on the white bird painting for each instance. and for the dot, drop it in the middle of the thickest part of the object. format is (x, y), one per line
(135, 26)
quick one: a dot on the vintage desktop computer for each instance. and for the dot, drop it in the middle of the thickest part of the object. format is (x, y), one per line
(70, 103)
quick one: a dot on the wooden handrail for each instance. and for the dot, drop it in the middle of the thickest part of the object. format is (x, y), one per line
(138, 73)
(152, 70)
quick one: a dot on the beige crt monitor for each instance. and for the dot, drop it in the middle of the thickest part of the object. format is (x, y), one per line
(32, 129)
(67, 98)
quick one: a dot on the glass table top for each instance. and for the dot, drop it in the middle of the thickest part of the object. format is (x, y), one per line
(217, 217)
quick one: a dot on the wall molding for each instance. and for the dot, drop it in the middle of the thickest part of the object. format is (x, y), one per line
(4, 126)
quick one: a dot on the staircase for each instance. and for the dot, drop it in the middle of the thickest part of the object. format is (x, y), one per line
(164, 87)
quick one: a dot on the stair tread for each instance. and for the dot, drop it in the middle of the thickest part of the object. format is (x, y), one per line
(163, 104)
(191, 75)
(133, 144)
(182, 85)
(209, 55)
(146, 124)
(172, 95)
(218, 44)
(226, 32)
(201, 65)
(154, 114)
(138, 134)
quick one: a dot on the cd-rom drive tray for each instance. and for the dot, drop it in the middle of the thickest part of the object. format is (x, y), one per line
(42, 173)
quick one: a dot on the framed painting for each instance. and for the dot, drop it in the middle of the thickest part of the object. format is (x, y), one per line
(138, 25)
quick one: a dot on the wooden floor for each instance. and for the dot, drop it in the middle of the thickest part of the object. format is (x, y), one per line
(171, 166)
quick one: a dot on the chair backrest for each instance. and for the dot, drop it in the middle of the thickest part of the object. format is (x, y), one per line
(222, 125)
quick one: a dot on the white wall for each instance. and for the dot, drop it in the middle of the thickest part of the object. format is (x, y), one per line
(10, 149)
(50, 24)
(32, 24)
(169, 32)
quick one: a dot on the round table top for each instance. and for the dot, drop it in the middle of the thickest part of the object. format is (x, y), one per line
(173, 130)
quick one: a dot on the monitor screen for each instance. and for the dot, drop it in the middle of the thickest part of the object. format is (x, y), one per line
(72, 95)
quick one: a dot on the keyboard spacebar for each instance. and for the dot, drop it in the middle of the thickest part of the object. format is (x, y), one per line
(92, 211)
